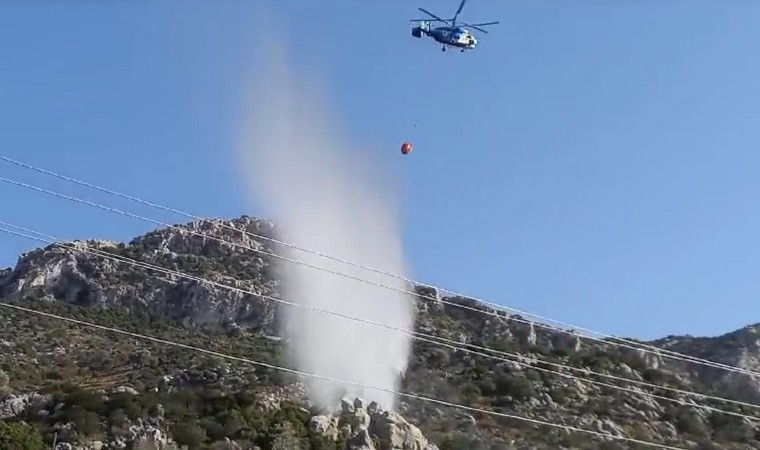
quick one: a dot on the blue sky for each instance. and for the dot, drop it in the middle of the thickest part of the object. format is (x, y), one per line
(593, 162)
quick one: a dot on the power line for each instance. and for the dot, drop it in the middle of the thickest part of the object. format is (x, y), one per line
(335, 380)
(438, 340)
(633, 345)
(656, 350)
(638, 345)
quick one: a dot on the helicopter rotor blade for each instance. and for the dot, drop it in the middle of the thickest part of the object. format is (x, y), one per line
(431, 15)
(461, 5)
(478, 25)
(482, 24)
(428, 20)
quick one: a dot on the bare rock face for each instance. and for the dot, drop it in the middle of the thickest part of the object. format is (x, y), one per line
(148, 436)
(370, 428)
(397, 433)
(87, 278)
(15, 405)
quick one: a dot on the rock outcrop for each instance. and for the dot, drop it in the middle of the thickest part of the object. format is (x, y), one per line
(370, 428)
(85, 278)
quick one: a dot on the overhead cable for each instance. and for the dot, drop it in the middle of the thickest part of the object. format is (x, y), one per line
(623, 343)
(424, 337)
(651, 348)
(335, 380)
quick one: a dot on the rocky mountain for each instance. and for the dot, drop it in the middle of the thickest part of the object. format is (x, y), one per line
(92, 389)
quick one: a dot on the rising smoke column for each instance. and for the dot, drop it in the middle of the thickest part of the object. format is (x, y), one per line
(326, 195)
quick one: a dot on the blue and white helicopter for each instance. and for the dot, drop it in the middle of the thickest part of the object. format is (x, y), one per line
(453, 35)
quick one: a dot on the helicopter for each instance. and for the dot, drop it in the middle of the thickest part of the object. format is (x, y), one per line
(453, 35)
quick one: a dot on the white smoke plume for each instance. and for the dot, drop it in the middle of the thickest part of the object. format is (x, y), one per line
(326, 194)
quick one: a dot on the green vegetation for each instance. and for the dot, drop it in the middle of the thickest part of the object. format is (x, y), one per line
(20, 436)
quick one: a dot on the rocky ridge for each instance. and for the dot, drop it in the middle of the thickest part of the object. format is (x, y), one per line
(44, 359)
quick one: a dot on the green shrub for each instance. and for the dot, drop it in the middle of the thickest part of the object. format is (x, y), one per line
(20, 436)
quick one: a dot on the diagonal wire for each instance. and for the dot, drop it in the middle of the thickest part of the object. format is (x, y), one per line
(351, 263)
(334, 380)
(438, 340)
(623, 343)
(639, 345)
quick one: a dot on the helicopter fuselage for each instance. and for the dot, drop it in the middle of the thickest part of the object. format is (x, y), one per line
(457, 37)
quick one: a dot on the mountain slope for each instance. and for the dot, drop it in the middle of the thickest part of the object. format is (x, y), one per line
(62, 377)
